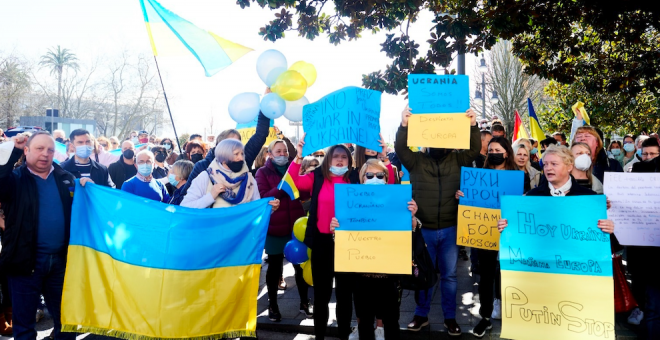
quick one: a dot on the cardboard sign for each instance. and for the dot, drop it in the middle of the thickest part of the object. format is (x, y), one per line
(634, 210)
(405, 179)
(477, 227)
(451, 130)
(247, 130)
(349, 115)
(556, 269)
(484, 187)
(375, 233)
(431, 93)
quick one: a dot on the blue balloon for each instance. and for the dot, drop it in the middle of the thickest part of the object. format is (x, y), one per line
(296, 252)
(294, 109)
(270, 65)
(273, 106)
(244, 107)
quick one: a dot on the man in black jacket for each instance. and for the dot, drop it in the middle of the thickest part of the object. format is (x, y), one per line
(123, 169)
(81, 165)
(37, 199)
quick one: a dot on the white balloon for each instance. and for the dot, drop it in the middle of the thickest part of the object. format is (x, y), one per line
(244, 107)
(270, 65)
(294, 109)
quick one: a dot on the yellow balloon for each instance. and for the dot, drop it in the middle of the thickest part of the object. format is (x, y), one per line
(307, 272)
(299, 228)
(290, 85)
(307, 70)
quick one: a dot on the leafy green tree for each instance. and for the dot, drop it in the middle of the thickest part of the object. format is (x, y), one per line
(611, 43)
(58, 59)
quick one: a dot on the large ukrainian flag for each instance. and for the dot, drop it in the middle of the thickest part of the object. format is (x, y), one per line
(138, 269)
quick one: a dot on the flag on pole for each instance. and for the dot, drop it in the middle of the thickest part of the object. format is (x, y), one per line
(213, 52)
(534, 125)
(579, 106)
(519, 130)
(288, 186)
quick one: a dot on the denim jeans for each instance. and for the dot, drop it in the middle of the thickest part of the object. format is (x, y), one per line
(441, 244)
(652, 312)
(47, 279)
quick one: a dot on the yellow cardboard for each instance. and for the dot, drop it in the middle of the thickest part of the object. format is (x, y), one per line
(386, 252)
(477, 227)
(246, 133)
(446, 130)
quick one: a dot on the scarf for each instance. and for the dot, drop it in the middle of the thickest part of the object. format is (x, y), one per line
(561, 191)
(239, 186)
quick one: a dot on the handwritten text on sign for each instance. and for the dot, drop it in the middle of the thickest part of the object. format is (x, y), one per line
(477, 227)
(349, 115)
(484, 187)
(556, 269)
(431, 93)
(451, 130)
(542, 306)
(375, 228)
(635, 199)
(562, 241)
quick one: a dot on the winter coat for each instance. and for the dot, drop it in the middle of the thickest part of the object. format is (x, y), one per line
(281, 221)
(435, 181)
(20, 201)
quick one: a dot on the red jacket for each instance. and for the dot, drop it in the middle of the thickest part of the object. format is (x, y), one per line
(281, 221)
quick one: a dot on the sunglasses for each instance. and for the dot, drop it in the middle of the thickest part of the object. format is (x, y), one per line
(104, 145)
(379, 175)
(318, 156)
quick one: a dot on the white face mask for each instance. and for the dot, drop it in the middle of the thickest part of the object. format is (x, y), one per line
(583, 162)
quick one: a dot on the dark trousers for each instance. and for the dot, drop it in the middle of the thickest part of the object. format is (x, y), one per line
(652, 313)
(488, 281)
(47, 279)
(323, 271)
(273, 275)
(5, 298)
(377, 296)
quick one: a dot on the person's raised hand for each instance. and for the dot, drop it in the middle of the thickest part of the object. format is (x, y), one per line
(459, 194)
(472, 115)
(19, 140)
(405, 116)
(606, 226)
(334, 224)
(501, 224)
(299, 146)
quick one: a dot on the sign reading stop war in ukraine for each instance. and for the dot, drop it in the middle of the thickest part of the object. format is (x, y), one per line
(375, 228)
(432, 93)
(556, 269)
(478, 210)
(349, 115)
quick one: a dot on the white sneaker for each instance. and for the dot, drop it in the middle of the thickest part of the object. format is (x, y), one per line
(636, 317)
(380, 333)
(354, 335)
(497, 310)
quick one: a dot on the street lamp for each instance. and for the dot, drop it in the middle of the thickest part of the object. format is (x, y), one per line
(479, 96)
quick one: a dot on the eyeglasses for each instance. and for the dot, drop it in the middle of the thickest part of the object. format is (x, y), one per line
(379, 175)
(168, 144)
(144, 162)
(652, 154)
(319, 156)
(104, 145)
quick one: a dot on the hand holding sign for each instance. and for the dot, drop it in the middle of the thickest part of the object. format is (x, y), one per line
(405, 116)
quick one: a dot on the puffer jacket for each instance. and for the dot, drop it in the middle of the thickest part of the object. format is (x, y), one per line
(281, 221)
(435, 181)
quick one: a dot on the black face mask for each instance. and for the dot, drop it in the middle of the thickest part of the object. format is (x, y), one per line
(496, 158)
(128, 154)
(436, 153)
(368, 157)
(196, 157)
(235, 166)
(160, 157)
(59, 139)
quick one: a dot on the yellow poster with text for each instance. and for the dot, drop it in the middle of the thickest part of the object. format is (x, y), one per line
(446, 130)
(477, 227)
(246, 133)
(541, 306)
(387, 252)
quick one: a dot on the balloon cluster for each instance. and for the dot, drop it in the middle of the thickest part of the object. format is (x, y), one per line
(288, 86)
(297, 252)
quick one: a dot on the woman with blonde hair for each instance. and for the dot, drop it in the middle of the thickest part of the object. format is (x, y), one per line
(599, 159)
(582, 171)
(522, 158)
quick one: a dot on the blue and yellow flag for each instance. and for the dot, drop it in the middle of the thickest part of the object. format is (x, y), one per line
(212, 51)
(288, 186)
(141, 269)
(534, 124)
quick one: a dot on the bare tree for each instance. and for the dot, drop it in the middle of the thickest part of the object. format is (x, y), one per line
(14, 87)
(506, 76)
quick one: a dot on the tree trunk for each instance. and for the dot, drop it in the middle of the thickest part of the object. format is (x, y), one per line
(59, 93)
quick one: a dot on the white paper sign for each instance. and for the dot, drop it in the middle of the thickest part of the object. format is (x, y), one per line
(635, 207)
